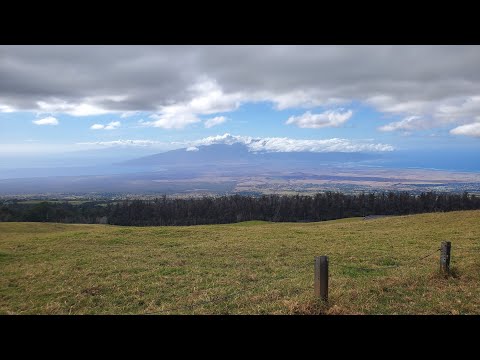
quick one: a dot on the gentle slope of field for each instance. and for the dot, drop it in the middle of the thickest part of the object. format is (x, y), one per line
(244, 268)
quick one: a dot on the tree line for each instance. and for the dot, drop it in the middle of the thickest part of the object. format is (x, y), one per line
(236, 208)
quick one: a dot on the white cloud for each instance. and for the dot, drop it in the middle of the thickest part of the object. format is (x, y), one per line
(407, 124)
(75, 109)
(468, 130)
(215, 121)
(223, 139)
(6, 108)
(275, 144)
(422, 115)
(88, 106)
(129, 113)
(301, 98)
(122, 143)
(458, 110)
(253, 144)
(113, 125)
(207, 97)
(330, 118)
(389, 104)
(172, 117)
(110, 126)
(49, 120)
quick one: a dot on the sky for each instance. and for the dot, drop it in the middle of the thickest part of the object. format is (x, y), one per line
(58, 99)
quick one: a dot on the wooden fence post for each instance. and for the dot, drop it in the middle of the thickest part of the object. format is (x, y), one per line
(445, 257)
(321, 277)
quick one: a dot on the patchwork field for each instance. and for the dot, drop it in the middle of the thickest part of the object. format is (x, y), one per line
(380, 266)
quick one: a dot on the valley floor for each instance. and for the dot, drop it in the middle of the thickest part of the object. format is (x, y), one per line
(381, 266)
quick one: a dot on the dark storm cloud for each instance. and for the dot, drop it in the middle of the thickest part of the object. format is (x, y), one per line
(437, 83)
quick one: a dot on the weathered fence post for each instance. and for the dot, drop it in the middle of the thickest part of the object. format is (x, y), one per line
(321, 277)
(445, 257)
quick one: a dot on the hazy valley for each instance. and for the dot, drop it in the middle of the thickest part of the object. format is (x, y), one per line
(227, 169)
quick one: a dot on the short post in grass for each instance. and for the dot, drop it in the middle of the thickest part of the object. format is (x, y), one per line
(445, 248)
(321, 277)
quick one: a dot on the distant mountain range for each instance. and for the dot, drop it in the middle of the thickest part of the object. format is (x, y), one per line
(221, 168)
(238, 154)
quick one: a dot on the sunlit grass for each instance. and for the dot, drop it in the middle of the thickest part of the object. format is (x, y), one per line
(247, 268)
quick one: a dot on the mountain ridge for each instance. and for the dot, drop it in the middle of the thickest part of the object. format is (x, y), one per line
(216, 153)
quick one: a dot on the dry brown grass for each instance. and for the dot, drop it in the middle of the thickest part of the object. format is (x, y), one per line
(245, 268)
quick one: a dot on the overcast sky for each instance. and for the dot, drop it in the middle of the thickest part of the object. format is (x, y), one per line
(281, 98)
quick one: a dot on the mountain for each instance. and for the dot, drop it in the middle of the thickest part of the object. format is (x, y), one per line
(204, 155)
(239, 154)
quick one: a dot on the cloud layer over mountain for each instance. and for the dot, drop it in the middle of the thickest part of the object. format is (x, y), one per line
(275, 144)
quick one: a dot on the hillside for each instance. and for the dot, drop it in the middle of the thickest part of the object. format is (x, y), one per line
(379, 266)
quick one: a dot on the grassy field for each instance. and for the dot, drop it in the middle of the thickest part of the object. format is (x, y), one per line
(244, 268)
